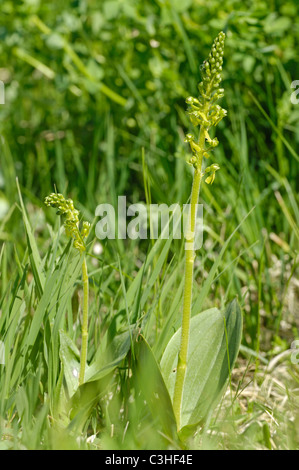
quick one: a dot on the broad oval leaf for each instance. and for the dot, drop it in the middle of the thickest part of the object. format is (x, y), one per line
(112, 353)
(213, 348)
(70, 358)
(152, 385)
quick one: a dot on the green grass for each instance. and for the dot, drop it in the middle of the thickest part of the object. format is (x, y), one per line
(60, 127)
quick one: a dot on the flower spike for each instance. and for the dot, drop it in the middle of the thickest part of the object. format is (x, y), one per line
(66, 208)
(203, 111)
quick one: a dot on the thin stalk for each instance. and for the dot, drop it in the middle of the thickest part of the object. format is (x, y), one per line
(83, 358)
(72, 229)
(205, 113)
(188, 282)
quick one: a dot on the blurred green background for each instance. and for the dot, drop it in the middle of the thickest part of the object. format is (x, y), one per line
(56, 56)
(90, 84)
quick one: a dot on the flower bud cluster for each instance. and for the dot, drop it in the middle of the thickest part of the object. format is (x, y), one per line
(66, 208)
(203, 111)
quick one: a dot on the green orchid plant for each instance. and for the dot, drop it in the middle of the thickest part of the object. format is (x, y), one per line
(65, 207)
(205, 113)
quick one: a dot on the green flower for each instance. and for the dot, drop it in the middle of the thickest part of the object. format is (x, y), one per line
(212, 170)
(203, 111)
(66, 208)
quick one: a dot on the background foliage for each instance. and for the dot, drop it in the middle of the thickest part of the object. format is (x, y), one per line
(88, 85)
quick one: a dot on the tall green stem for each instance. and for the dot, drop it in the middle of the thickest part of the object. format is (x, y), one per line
(72, 229)
(206, 113)
(83, 358)
(188, 282)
